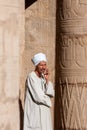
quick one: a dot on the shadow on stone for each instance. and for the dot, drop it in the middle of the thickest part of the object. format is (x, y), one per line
(28, 3)
(58, 104)
(21, 115)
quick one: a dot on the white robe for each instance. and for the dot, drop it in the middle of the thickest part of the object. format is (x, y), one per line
(37, 115)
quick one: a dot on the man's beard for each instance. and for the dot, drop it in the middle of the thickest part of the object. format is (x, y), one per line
(42, 71)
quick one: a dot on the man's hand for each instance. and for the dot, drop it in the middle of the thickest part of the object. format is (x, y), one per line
(46, 75)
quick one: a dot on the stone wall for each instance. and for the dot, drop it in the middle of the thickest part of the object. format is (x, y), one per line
(11, 37)
(39, 37)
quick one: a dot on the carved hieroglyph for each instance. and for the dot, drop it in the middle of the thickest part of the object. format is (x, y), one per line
(11, 32)
(73, 63)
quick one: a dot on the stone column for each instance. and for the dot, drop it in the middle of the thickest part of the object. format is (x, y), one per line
(72, 59)
(11, 30)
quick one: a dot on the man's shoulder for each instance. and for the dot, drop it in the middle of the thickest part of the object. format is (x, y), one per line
(31, 74)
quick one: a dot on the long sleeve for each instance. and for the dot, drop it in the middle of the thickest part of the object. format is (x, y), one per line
(50, 89)
(37, 94)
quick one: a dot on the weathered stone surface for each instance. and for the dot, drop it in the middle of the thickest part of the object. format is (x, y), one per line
(72, 65)
(9, 115)
(11, 32)
(40, 32)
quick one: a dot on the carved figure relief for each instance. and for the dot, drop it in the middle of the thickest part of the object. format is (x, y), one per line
(70, 9)
(73, 52)
(73, 16)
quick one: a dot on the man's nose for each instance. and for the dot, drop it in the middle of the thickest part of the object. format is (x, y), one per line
(44, 67)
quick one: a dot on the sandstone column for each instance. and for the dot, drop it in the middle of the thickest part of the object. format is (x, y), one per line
(72, 59)
(11, 37)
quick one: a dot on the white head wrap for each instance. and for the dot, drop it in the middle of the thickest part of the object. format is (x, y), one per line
(38, 58)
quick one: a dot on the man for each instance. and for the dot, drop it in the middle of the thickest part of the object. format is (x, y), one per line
(39, 90)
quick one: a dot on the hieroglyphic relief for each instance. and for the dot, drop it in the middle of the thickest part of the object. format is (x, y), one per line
(73, 52)
(73, 63)
(70, 9)
(73, 81)
(73, 16)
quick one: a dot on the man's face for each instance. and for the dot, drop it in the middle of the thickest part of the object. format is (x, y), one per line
(41, 67)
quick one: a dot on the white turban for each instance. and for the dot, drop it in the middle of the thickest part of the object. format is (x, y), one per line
(38, 58)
